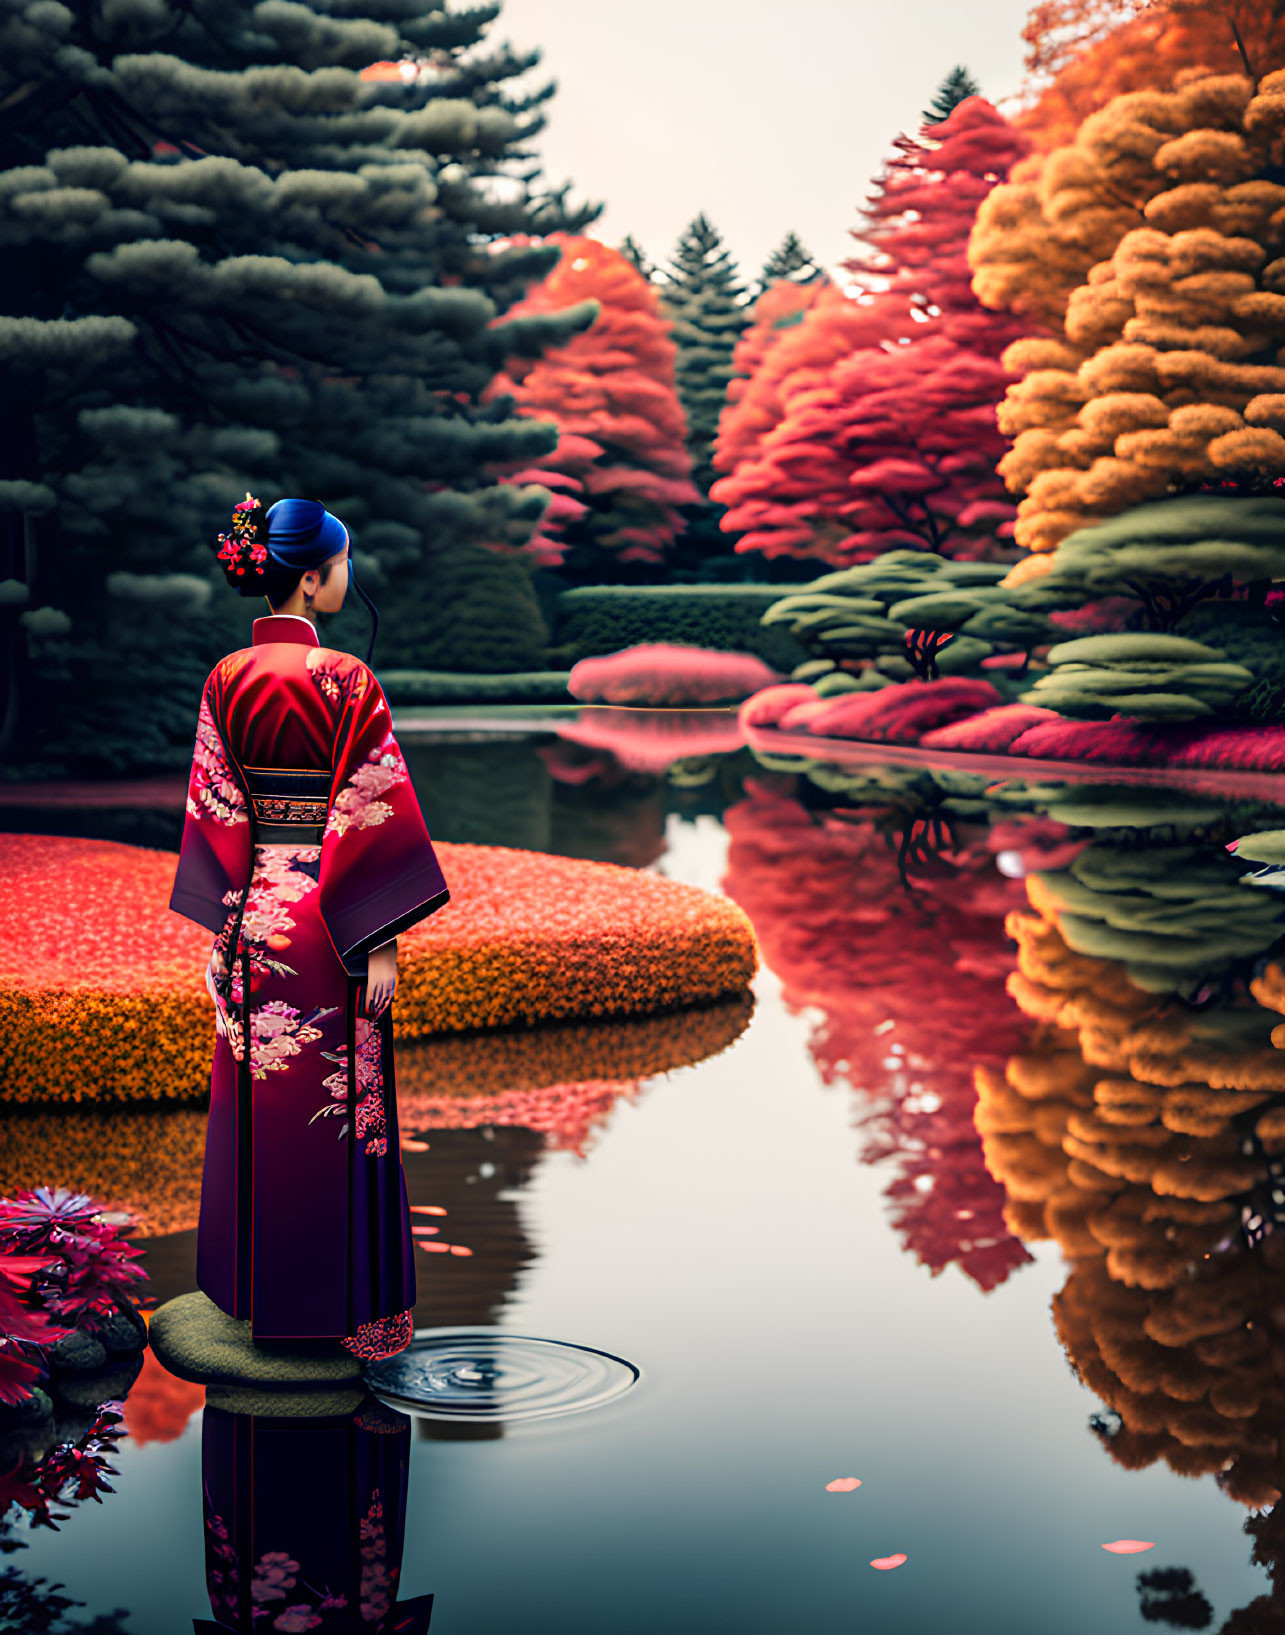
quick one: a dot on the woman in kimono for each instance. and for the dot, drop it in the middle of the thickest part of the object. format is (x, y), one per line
(305, 853)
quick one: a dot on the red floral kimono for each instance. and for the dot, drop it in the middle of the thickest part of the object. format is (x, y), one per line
(304, 1226)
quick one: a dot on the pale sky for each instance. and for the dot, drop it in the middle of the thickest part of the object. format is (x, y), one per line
(766, 114)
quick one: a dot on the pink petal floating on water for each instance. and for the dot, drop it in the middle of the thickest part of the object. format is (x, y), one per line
(885, 1564)
(434, 1248)
(843, 1484)
(1128, 1546)
(459, 1249)
(407, 1145)
(427, 1231)
(426, 1209)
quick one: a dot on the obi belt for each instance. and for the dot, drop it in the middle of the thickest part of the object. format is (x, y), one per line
(290, 803)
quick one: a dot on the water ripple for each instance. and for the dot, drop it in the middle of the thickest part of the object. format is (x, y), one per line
(490, 1374)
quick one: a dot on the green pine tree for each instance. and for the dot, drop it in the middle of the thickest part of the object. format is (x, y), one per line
(790, 260)
(230, 262)
(634, 253)
(706, 302)
(958, 85)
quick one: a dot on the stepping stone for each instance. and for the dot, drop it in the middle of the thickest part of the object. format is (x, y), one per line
(198, 1342)
(318, 1403)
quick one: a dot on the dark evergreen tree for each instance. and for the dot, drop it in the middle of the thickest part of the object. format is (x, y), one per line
(958, 85)
(789, 260)
(230, 259)
(706, 302)
(634, 253)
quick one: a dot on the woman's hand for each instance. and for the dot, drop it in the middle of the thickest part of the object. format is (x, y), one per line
(381, 979)
(216, 972)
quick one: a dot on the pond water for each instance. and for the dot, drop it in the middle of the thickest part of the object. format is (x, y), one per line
(793, 1236)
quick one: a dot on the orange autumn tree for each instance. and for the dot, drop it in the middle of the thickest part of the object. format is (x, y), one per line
(1152, 248)
(1082, 53)
(621, 470)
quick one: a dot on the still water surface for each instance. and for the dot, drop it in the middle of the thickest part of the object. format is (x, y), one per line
(723, 1228)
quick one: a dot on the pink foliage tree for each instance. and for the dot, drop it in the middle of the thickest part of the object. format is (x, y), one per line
(621, 470)
(893, 442)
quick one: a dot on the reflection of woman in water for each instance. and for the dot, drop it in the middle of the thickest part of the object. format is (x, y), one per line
(305, 853)
(305, 1521)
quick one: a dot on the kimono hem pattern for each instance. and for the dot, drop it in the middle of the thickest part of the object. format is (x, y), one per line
(304, 1227)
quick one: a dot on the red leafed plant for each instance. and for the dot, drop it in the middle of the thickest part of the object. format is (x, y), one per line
(892, 441)
(910, 990)
(25, 1333)
(86, 1266)
(621, 469)
(68, 1474)
(669, 673)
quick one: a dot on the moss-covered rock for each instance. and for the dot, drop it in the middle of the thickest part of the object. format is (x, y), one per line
(198, 1342)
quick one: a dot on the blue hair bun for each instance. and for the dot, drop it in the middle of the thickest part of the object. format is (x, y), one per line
(303, 534)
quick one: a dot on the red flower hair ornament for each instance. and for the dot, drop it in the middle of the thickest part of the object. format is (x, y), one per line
(245, 550)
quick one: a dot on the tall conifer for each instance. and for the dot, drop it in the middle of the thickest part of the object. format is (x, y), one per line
(706, 302)
(232, 260)
(789, 260)
(958, 85)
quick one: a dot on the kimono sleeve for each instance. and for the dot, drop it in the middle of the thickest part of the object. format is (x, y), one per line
(379, 874)
(214, 857)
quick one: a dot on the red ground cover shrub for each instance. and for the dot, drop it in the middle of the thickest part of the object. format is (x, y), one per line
(766, 709)
(1120, 743)
(903, 713)
(992, 731)
(669, 673)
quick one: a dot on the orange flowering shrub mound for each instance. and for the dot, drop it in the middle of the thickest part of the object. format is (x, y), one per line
(101, 985)
(476, 1066)
(909, 985)
(145, 1161)
(652, 740)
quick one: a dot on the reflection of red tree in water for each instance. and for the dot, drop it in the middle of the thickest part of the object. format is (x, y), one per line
(911, 990)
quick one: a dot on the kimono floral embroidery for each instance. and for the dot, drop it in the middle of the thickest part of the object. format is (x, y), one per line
(357, 805)
(334, 673)
(382, 1337)
(372, 1123)
(212, 784)
(378, 1580)
(221, 1573)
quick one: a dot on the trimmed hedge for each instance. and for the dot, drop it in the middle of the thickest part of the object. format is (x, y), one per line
(446, 687)
(593, 620)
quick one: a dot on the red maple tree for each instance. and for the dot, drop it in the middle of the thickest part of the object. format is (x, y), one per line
(892, 441)
(751, 409)
(621, 470)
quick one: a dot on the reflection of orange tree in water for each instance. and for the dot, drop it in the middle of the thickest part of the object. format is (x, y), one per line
(910, 986)
(1122, 1131)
